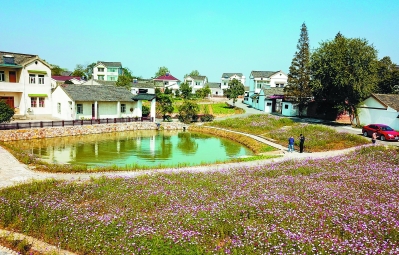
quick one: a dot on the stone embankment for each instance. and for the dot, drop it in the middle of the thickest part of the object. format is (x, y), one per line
(38, 133)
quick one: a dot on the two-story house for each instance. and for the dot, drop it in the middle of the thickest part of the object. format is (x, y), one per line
(266, 90)
(167, 81)
(107, 71)
(25, 84)
(196, 82)
(227, 77)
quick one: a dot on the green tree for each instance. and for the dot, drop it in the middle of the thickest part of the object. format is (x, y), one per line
(177, 93)
(185, 90)
(344, 73)
(193, 73)
(57, 70)
(124, 81)
(89, 70)
(206, 90)
(299, 75)
(199, 93)
(235, 89)
(388, 76)
(6, 112)
(168, 91)
(80, 70)
(126, 72)
(162, 71)
(165, 104)
(188, 110)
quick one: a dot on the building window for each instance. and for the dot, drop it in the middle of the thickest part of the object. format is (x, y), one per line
(111, 70)
(286, 106)
(2, 76)
(59, 108)
(32, 78)
(112, 78)
(100, 69)
(123, 108)
(41, 101)
(101, 77)
(197, 83)
(165, 83)
(41, 79)
(33, 102)
(79, 108)
(225, 83)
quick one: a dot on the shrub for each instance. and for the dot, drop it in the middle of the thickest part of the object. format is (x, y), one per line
(207, 117)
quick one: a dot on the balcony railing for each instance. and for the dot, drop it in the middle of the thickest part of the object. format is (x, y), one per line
(65, 123)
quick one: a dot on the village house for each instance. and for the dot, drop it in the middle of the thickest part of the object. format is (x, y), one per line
(107, 71)
(380, 109)
(167, 81)
(228, 77)
(72, 102)
(266, 90)
(25, 84)
(196, 82)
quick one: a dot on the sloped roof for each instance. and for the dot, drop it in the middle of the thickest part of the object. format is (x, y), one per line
(97, 93)
(262, 74)
(391, 100)
(65, 78)
(21, 59)
(199, 77)
(103, 82)
(214, 85)
(228, 75)
(273, 91)
(110, 64)
(165, 77)
(145, 96)
(143, 85)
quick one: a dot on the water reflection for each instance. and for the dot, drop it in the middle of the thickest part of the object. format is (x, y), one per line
(144, 147)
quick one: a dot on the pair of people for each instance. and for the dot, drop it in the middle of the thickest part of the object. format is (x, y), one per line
(291, 142)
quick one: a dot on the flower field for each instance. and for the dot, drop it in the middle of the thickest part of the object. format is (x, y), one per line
(342, 205)
(318, 137)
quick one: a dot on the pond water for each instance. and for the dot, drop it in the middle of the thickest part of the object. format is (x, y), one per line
(149, 148)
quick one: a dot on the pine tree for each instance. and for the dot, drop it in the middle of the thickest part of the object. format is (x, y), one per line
(299, 74)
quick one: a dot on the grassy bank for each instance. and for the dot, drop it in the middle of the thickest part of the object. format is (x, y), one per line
(318, 137)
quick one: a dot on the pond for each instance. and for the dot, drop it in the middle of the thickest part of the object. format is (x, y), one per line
(148, 148)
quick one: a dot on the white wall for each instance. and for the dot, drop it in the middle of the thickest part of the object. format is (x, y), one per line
(289, 109)
(379, 116)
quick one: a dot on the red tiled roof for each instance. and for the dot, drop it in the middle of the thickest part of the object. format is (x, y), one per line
(65, 78)
(166, 78)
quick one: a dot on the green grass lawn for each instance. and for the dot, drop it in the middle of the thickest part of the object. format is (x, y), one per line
(279, 129)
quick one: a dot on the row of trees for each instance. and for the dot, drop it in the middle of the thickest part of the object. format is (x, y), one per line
(339, 75)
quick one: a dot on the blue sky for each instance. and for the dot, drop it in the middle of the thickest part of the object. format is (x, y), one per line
(211, 36)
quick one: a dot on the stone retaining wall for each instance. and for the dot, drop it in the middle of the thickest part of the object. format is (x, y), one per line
(37, 133)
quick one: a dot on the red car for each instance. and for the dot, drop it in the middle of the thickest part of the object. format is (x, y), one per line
(384, 132)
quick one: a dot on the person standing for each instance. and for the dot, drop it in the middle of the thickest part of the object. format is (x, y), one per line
(374, 137)
(291, 142)
(301, 143)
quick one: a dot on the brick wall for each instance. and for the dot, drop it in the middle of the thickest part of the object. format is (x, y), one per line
(37, 133)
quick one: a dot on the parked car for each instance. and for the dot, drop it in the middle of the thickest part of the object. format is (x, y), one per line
(384, 132)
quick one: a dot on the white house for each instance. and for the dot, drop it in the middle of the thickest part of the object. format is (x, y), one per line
(227, 77)
(380, 109)
(73, 102)
(196, 82)
(139, 87)
(167, 81)
(260, 80)
(25, 84)
(216, 88)
(107, 71)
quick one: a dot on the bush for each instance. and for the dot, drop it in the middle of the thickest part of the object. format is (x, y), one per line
(145, 110)
(207, 118)
(6, 112)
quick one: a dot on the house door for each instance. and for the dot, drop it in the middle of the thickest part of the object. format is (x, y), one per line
(268, 106)
(12, 76)
(93, 111)
(9, 101)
